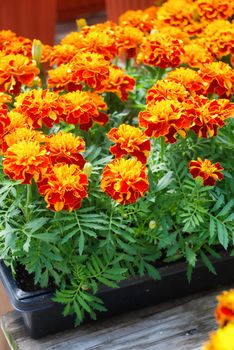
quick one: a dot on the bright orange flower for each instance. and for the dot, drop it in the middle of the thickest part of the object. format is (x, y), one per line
(125, 180)
(177, 13)
(143, 20)
(225, 310)
(17, 120)
(39, 107)
(129, 40)
(208, 115)
(4, 119)
(62, 54)
(18, 45)
(161, 50)
(25, 160)
(61, 78)
(5, 98)
(5, 37)
(222, 339)
(208, 171)
(164, 118)
(46, 52)
(189, 78)
(80, 108)
(220, 78)
(129, 140)
(21, 134)
(166, 90)
(174, 32)
(196, 55)
(63, 186)
(90, 68)
(65, 148)
(214, 9)
(16, 70)
(219, 36)
(195, 28)
(75, 39)
(120, 83)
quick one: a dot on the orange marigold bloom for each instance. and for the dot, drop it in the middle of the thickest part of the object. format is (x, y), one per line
(16, 70)
(39, 107)
(166, 90)
(129, 140)
(125, 180)
(82, 108)
(90, 68)
(4, 120)
(63, 186)
(164, 118)
(120, 83)
(177, 13)
(25, 160)
(225, 310)
(5, 37)
(220, 78)
(129, 40)
(174, 32)
(143, 20)
(214, 9)
(208, 171)
(196, 55)
(161, 50)
(18, 45)
(189, 78)
(21, 134)
(208, 115)
(62, 54)
(65, 148)
(61, 78)
(222, 339)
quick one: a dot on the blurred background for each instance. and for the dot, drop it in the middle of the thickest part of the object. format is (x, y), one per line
(50, 20)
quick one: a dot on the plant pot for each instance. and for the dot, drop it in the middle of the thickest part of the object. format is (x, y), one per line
(37, 308)
(115, 8)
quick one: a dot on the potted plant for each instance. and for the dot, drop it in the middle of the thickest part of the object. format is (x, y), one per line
(117, 169)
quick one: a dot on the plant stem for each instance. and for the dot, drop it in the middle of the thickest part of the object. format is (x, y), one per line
(28, 201)
(162, 148)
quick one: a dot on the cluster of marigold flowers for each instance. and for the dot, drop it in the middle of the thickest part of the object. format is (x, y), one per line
(223, 338)
(195, 34)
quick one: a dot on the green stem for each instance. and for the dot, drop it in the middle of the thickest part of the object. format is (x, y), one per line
(162, 148)
(28, 202)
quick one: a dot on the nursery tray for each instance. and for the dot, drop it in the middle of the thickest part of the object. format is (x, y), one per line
(42, 316)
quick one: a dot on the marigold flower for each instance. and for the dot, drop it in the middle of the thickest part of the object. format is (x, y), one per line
(65, 148)
(63, 186)
(82, 108)
(214, 9)
(164, 118)
(222, 339)
(39, 107)
(17, 45)
(61, 78)
(17, 120)
(174, 32)
(196, 55)
(21, 134)
(189, 78)
(177, 13)
(125, 180)
(129, 140)
(225, 310)
(62, 54)
(4, 119)
(120, 83)
(90, 68)
(129, 40)
(166, 90)
(220, 78)
(16, 70)
(24, 160)
(5, 37)
(161, 50)
(208, 171)
(143, 20)
(208, 115)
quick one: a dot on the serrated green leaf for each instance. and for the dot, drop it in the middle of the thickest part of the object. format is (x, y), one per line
(36, 224)
(222, 234)
(81, 243)
(107, 282)
(218, 203)
(83, 303)
(212, 227)
(226, 208)
(152, 271)
(190, 256)
(208, 263)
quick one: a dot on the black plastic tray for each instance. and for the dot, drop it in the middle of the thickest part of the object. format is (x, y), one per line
(42, 316)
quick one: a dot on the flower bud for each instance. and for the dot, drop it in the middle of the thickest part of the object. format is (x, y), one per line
(88, 169)
(36, 50)
(80, 23)
(152, 224)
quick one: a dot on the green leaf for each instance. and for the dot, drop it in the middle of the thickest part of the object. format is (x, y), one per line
(36, 224)
(152, 271)
(212, 227)
(107, 282)
(164, 181)
(208, 263)
(218, 203)
(83, 303)
(226, 208)
(222, 234)
(81, 243)
(190, 256)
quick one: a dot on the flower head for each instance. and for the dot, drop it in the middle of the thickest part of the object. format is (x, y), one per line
(4, 119)
(120, 83)
(143, 20)
(62, 54)
(25, 160)
(222, 339)
(225, 309)
(129, 140)
(166, 90)
(177, 13)
(19, 134)
(65, 148)
(210, 172)
(214, 9)
(125, 180)
(61, 78)
(129, 40)
(63, 186)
